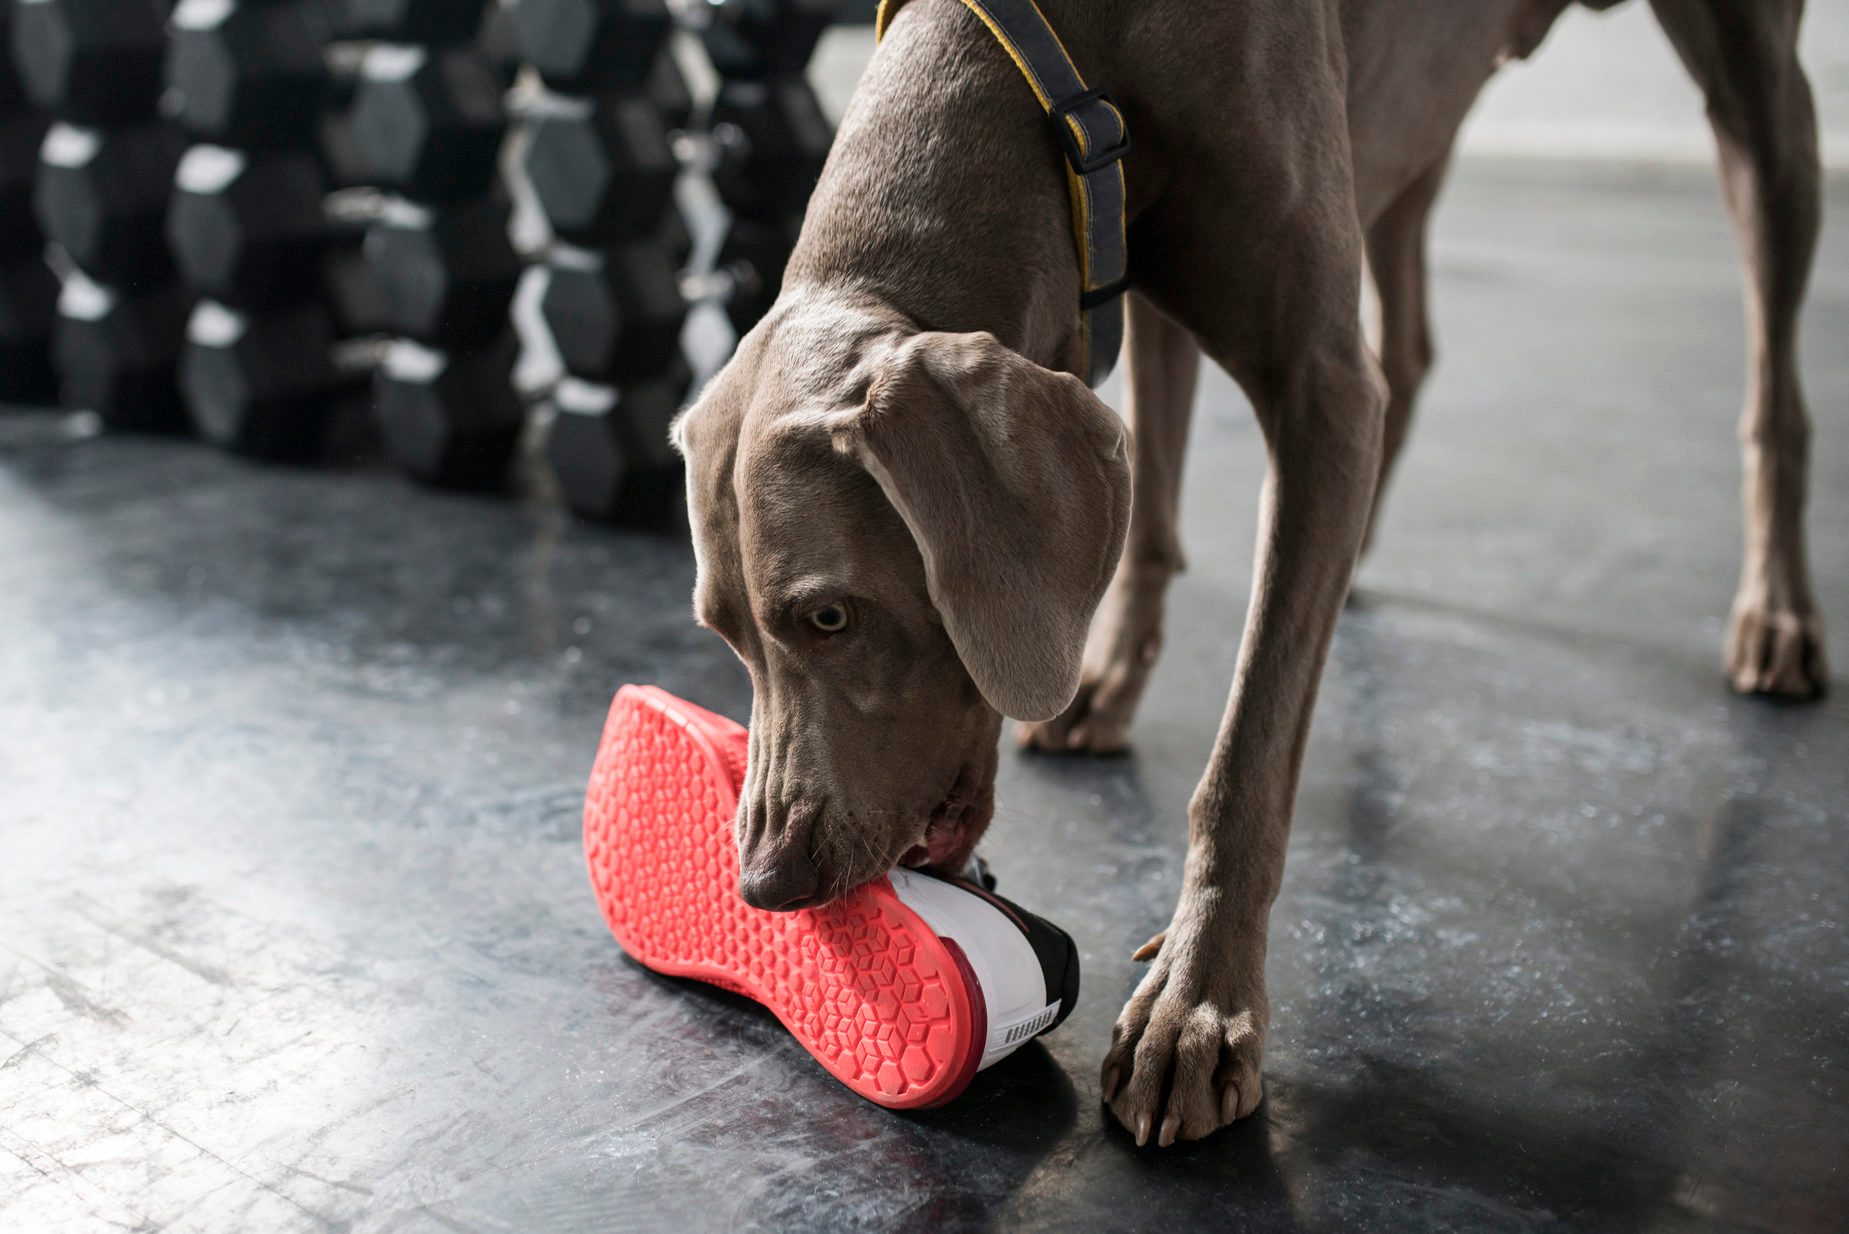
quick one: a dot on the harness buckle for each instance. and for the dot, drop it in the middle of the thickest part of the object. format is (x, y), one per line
(1069, 138)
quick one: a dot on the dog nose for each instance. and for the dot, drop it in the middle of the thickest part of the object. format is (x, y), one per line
(781, 885)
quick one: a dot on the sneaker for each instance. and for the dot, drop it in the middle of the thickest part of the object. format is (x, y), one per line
(903, 989)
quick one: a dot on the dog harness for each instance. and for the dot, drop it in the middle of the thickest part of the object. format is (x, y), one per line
(1091, 130)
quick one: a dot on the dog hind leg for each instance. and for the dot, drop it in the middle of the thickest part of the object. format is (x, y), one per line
(1126, 635)
(1396, 260)
(1744, 57)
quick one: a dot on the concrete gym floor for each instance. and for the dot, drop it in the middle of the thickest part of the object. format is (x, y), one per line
(294, 932)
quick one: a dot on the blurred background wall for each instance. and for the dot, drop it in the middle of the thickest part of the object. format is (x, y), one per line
(1605, 85)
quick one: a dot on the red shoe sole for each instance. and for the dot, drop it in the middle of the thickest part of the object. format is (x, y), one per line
(889, 1008)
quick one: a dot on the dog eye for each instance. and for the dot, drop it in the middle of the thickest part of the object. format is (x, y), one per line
(829, 619)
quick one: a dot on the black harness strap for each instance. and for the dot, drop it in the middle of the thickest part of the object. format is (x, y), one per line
(1090, 129)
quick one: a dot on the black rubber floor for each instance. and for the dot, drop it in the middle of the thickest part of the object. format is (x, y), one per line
(294, 933)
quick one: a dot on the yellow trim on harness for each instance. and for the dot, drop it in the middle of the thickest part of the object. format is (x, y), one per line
(1075, 183)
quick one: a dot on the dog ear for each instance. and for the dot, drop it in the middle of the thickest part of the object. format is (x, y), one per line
(1015, 483)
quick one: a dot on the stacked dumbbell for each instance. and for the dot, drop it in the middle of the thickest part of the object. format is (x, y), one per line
(264, 371)
(604, 150)
(430, 117)
(28, 288)
(94, 67)
(611, 83)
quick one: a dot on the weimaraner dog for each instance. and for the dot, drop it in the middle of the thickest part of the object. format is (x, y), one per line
(907, 509)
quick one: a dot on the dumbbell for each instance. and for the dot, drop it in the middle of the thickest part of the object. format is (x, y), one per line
(609, 448)
(595, 46)
(263, 379)
(250, 74)
(28, 313)
(272, 385)
(759, 38)
(457, 419)
(423, 121)
(616, 318)
(614, 315)
(90, 62)
(21, 134)
(592, 46)
(426, 23)
(603, 169)
(430, 121)
(452, 418)
(254, 230)
(101, 197)
(115, 351)
(28, 288)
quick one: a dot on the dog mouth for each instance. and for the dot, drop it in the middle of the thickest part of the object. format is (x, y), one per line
(952, 828)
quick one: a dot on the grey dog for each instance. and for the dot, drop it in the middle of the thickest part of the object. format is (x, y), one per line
(907, 511)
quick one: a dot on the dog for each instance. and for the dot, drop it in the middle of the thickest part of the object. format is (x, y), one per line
(906, 509)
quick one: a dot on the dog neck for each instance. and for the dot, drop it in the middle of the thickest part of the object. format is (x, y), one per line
(945, 197)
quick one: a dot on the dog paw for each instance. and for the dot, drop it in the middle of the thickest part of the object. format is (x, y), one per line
(1098, 719)
(1092, 724)
(1776, 651)
(1185, 1053)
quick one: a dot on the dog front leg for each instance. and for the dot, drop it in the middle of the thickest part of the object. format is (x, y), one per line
(1126, 636)
(1195, 1028)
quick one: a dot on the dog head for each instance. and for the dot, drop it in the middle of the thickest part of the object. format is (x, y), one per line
(903, 536)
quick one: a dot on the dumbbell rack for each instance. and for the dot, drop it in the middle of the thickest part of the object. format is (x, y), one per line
(603, 148)
(248, 82)
(284, 310)
(94, 67)
(432, 119)
(607, 442)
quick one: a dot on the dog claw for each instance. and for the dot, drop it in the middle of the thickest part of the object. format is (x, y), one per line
(1142, 1130)
(1229, 1102)
(1149, 950)
(1170, 1126)
(1110, 1082)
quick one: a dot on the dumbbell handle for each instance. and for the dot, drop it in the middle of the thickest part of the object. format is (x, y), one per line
(352, 210)
(720, 284)
(703, 152)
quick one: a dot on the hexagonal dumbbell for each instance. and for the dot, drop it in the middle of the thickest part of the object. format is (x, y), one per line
(747, 273)
(269, 385)
(616, 316)
(772, 141)
(426, 23)
(610, 449)
(603, 169)
(28, 311)
(447, 276)
(102, 198)
(451, 418)
(92, 62)
(115, 351)
(11, 94)
(248, 74)
(249, 229)
(429, 122)
(21, 134)
(762, 38)
(592, 46)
